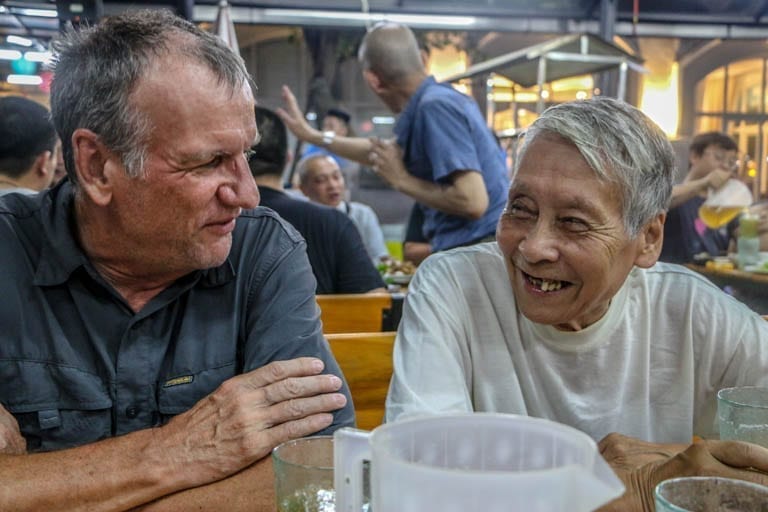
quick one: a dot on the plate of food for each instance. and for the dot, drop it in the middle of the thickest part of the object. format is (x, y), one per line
(396, 272)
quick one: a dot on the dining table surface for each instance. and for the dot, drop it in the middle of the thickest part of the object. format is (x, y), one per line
(748, 287)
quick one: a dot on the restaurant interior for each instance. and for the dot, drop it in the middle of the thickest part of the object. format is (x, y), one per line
(691, 65)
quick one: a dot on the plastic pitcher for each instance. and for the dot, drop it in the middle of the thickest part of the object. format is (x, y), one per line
(481, 461)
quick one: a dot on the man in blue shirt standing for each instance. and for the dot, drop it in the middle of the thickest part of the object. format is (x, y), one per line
(444, 155)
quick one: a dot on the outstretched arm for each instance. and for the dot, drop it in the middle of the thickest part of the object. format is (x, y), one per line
(352, 148)
(227, 431)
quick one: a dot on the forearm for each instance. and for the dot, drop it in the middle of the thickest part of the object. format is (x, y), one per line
(351, 148)
(458, 197)
(251, 489)
(115, 474)
(686, 190)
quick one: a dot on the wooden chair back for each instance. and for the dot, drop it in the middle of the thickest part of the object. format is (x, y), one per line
(366, 361)
(355, 312)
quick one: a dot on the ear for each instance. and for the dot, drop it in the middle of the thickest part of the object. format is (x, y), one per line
(41, 165)
(373, 81)
(650, 240)
(92, 162)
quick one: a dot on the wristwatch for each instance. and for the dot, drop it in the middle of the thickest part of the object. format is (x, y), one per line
(328, 138)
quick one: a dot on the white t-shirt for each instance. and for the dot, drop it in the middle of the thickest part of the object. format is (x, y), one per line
(650, 368)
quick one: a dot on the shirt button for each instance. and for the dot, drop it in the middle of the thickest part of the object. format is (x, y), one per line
(132, 411)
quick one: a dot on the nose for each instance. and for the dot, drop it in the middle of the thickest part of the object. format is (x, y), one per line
(539, 244)
(239, 190)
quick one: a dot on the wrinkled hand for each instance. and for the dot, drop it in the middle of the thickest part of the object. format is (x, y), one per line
(718, 178)
(626, 453)
(728, 459)
(293, 117)
(250, 414)
(11, 440)
(386, 159)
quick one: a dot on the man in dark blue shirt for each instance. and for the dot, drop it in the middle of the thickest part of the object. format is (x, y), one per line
(334, 246)
(159, 334)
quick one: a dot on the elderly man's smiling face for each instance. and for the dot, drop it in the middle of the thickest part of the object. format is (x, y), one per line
(563, 238)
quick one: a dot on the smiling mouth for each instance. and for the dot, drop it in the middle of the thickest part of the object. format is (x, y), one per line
(545, 285)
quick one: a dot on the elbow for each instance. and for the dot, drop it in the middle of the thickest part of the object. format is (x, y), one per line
(474, 210)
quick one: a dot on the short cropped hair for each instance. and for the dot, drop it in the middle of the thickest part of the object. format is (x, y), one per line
(391, 51)
(621, 145)
(98, 68)
(26, 131)
(702, 141)
(302, 167)
(270, 154)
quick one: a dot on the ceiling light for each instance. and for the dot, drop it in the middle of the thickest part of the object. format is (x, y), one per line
(405, 19)
(9, 54)
(44, 13)
(24, 79)
(38, 56)
(21, 41)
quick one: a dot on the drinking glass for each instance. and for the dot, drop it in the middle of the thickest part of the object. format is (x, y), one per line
(742, 414)
(709, 494)
(304, 475)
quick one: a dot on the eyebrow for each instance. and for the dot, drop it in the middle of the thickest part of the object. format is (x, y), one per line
(572, 203)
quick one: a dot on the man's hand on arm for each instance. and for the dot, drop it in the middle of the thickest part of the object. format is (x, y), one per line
(11, 440)
(642, 466)
(464, 195)
(227, 431)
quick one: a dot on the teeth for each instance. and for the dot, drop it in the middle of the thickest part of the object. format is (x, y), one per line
(545, 284)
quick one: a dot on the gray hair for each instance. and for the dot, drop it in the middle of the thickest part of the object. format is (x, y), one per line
(391, 51)
(302, 167)
(98, 68)
(621, 145)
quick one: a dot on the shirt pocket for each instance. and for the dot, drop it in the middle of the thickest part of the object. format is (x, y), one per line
(56, 406)
(179, 392)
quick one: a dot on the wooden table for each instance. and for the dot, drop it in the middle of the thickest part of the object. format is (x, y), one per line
(749, 287)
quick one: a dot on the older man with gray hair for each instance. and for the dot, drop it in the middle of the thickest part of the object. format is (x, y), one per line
(159, 334)
(569, 317)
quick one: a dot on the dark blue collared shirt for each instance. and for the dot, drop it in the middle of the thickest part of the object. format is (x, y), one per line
(442, 131)
(78, 365)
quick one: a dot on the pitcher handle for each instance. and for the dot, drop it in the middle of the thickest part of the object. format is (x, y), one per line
(351, 448)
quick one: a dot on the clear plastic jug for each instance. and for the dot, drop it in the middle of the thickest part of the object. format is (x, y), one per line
(469, 462)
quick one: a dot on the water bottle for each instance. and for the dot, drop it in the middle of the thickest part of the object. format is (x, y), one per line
(748, 242)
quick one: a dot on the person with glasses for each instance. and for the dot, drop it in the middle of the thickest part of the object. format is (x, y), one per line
(713, 160)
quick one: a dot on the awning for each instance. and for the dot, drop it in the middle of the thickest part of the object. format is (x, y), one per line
(566, 56)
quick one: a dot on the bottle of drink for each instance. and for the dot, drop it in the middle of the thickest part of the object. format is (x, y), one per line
(748, 241)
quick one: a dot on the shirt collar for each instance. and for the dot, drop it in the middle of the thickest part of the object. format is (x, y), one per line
(62, 254)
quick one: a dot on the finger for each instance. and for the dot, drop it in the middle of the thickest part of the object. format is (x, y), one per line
(739, 455)
(298, 408)
(298, 387)
(298, 428)
(277, 371)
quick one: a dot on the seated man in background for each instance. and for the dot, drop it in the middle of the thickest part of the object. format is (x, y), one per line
(321, 180)
(712, 162)
(336, 251)
(569, 317)
(159, 335)
(29, 146)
